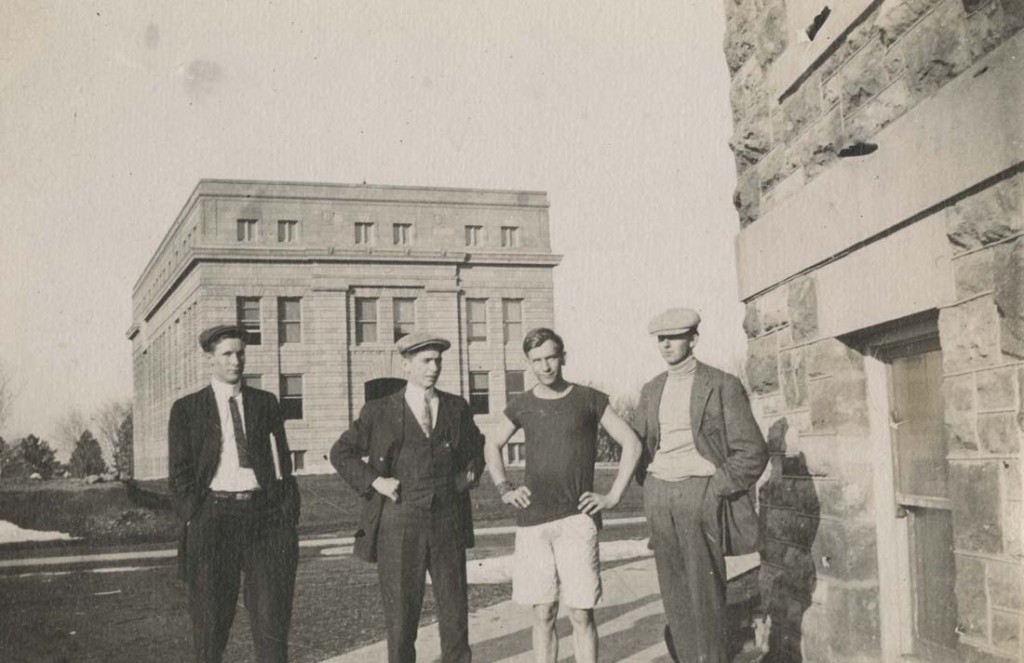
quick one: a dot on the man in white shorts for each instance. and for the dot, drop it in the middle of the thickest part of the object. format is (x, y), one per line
(559, 512)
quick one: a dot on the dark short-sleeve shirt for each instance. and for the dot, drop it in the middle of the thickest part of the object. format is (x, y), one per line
(561, 448)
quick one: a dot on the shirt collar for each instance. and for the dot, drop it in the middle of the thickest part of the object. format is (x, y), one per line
(416, 394)
(223, 390)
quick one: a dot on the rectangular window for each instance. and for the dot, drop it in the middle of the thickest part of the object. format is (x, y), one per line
(509, 237)
(291, 396)
(248, 314)
(512, 320)
(473, 235)
(479, 392)
(476, 319)
(287, 231)
(366, 320)
(405, 317)
(248, 231)
(298, 459)
(402, 234)
(289, 319)
(365, 233)
(252, 381)
(515, 384)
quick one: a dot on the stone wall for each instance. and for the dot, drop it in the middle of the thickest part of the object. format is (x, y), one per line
(820, 502)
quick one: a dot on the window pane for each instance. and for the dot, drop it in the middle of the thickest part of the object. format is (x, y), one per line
(366, 320)
(253, 381)
(291, 396)
(479, 399)
(291, 385)
(476, 318)
(298, 459)
(289, 311)
(249, 319)
(514, 383)
(477, 382)
(405, 317)
(512, 315)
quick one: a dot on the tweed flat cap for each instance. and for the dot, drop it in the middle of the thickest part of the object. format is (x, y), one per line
(421, 340)
(209, 337)
(673, 321)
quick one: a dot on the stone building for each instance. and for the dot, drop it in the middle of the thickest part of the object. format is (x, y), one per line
(879, 150)
(325, 277)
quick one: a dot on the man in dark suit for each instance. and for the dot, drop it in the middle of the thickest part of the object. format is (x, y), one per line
(414, 456)
(703, 452)
(233, 489)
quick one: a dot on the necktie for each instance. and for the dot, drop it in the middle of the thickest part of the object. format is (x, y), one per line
(240, 442)
(426, 417)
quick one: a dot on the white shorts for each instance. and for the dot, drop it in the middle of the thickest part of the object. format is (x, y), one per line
(558, 555)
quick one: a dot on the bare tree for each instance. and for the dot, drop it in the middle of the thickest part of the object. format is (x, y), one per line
(109, 422)
(69, 428)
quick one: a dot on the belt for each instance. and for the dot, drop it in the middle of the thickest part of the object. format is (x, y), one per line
(237, 496)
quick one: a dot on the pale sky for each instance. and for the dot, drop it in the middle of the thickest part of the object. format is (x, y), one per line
(110, 113)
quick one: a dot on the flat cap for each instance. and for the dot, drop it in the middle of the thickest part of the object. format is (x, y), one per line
(421, 340)
(209, 337)
(673, 321)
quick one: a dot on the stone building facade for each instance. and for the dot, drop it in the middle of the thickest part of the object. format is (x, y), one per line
(326, 277)
(879, 149)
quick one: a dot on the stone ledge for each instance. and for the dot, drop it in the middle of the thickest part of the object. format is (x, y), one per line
(967, 132)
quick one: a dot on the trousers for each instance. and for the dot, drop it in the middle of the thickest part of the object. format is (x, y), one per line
(412, 542)
(227, 541)
(691, 567)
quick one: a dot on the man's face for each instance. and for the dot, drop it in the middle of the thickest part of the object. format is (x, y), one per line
(228, 360)
(546, 362)
(675, 348)
(423, 368)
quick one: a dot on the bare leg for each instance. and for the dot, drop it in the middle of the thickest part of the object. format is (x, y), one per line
(545, 637)
(584, 634)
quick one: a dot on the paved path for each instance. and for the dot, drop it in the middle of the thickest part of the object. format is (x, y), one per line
(630, 621)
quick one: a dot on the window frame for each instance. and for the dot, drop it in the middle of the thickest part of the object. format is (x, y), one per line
(507, 323)
(401, 234)
(365, 233)
(480, 399)
(247, 230)
(473, 235)
(287, 231)
(360, 323)
(288, 400)
(396, 323)
(284, 323)
(251, 337)
(509, 237)
(473, 324)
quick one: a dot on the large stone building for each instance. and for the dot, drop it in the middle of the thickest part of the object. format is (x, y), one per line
(880, 149)
(326, 277)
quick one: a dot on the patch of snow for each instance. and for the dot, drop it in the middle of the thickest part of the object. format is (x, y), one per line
(11, 533)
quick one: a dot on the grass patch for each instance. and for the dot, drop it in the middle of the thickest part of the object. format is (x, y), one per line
(114, 513)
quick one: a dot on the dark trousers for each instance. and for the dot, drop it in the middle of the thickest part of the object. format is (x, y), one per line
(691, 568)
(413, 541)
(227, 540)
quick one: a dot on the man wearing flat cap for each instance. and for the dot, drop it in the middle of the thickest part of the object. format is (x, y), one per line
(413, 456)
(231, 480)
(703, 452)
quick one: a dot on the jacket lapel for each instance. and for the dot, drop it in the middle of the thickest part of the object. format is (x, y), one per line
(653, 405)
(445, 416)
(209, 453)
(699, 397)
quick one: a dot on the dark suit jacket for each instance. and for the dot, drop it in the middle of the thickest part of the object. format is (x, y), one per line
(368, 450)
(194, 442)
(726, 434)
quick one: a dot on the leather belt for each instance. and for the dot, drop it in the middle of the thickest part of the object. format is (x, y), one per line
(237, 496)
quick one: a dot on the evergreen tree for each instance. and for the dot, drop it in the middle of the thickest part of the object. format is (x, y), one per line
(87, 458)
(27, 456)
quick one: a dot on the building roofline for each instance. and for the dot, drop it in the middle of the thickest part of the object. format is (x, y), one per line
(198, 192)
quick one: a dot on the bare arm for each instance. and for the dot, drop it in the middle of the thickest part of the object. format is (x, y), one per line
(520, 496)
(591, 503)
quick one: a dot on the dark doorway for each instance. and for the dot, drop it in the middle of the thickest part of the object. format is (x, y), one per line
(381, 387)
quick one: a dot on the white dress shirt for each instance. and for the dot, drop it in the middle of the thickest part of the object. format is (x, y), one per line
(415, 395)
(230, 476)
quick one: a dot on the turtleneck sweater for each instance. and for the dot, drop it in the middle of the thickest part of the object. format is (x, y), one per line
(677, 458)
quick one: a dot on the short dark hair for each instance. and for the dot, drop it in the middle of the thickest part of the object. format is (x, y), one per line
(538, 337)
